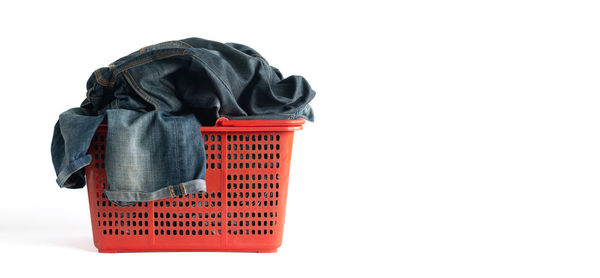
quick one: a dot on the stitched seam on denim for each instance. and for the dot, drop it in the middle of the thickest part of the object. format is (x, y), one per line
(143, 49)
(100, 80)
(69, 169)
(136, 196)
(270, 74)
(260, 57)
(200, 184)
(139, 90)
(185, 43)
(87, 94)
(145, 60)
(177, 157)
(135, 63)
(197, 185)
(213, 72)
(170, 42)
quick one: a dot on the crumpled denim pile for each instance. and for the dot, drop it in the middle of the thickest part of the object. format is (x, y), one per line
(154, 101)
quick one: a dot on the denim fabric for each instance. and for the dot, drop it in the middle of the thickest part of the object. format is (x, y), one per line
(160, 151)
(154, 101)
(148, 155)
(72, 137)
(203, 77)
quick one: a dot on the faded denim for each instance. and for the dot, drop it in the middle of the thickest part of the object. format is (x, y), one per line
(154, 101)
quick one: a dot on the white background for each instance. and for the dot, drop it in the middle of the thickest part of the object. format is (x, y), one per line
(452, 138)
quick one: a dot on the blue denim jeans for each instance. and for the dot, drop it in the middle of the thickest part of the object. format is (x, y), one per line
(154, 100)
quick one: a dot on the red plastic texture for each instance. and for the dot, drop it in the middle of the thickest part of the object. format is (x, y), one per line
(243, 209)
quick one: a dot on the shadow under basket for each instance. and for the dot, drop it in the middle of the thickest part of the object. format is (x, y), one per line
(243, 209)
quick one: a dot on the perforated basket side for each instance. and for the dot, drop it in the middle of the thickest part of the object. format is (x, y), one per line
(242, 210)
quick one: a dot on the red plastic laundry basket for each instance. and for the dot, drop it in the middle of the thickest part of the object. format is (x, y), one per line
(242, 210)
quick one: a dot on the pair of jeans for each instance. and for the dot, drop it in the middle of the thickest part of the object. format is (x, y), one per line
(154, 100)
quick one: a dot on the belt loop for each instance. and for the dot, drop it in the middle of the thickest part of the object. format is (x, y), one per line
(171, 191)
(182, 188)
